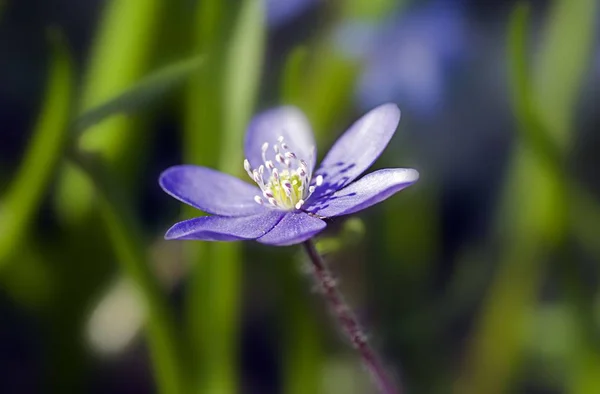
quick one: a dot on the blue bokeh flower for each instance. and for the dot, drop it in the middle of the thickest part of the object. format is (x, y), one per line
(291, 202)
(279, 12)
(408, 59)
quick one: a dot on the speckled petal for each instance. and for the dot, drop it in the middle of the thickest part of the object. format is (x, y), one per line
(367, 191)
(357, 149)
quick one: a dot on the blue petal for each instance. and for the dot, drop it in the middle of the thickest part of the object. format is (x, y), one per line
(287, 122)
(211, 191)
(221, 228)
(367, 191)
(280, 12)
(357, 149)
(294, 228)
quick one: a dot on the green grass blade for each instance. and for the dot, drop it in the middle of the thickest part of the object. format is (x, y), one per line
(564, 58)
(43, 155)
(120, 56)
(293, 75)
(143, 93)
(243, 71)
(201, 139)
(239, 93)
(533, 215)
(129, 248)
(303, 351)
(521, 90)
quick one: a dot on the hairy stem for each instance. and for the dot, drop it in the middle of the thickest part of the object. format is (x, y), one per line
(349, 324)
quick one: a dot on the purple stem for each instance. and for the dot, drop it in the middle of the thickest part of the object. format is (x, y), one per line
(346, 319)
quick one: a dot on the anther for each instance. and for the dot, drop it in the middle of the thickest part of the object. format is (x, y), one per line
(265, 146)
(246, 165)
(257, 176)
(311, 189)
(269, 164)
(299, 204)
(319, 180)
(290, 155)
(279, 158)
(273, 202)
(258, 200)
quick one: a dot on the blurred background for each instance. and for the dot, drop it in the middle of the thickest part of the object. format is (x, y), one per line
(480, 279)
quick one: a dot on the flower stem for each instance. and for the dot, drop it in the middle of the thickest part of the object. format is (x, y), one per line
(348, 322)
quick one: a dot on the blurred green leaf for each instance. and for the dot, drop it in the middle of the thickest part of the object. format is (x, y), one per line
(532, 217)
(243, 71)
(585, 220)
(43, 155)
(302, 338)
(128, 244)
(371, 9)
(522, 96)
(201, 138)
(564, 57)
(328, 87)
(293, 75)
(120, 56)
(233, 80)
(143, 93)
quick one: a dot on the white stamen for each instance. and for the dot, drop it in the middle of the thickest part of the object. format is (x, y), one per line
(289, 180)
(257, 177)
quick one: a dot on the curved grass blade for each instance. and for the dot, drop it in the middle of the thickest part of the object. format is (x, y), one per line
(565, 53)
(43, 155)
(147, 91)
(128, 245)
(521, 90)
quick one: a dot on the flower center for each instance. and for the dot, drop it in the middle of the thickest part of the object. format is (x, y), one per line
(284, 178)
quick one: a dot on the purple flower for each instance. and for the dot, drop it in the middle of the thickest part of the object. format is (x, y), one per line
(291, 202)
(409, 57)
